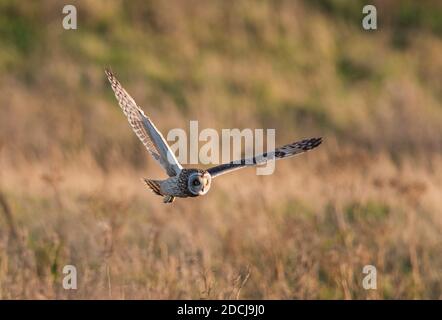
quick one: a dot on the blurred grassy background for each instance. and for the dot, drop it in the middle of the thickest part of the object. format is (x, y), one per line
(69, 163)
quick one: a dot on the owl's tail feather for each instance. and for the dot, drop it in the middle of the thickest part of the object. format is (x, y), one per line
(154, 186)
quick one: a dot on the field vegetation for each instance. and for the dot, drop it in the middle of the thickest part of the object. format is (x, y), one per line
(70, 192)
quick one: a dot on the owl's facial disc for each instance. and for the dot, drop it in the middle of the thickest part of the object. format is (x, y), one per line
(199, 183)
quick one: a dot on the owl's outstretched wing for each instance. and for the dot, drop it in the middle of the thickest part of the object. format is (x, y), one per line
(286, 151)
(144, 128)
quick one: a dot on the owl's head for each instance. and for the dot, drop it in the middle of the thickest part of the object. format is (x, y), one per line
(199, 183)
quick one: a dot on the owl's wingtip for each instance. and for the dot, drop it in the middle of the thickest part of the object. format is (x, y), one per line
(309, 144)
(317, 141)
(108, 71)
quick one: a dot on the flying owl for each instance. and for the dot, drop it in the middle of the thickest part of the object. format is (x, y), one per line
(183, 182)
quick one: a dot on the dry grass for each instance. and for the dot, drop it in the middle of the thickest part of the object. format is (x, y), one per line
(70, 166)
(305, 232)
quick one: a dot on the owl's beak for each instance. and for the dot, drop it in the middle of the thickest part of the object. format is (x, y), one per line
(206, 183)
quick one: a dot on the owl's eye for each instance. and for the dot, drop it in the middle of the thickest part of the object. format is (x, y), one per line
(196, 182)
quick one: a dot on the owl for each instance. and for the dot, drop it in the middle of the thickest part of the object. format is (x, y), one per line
(183, 182)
